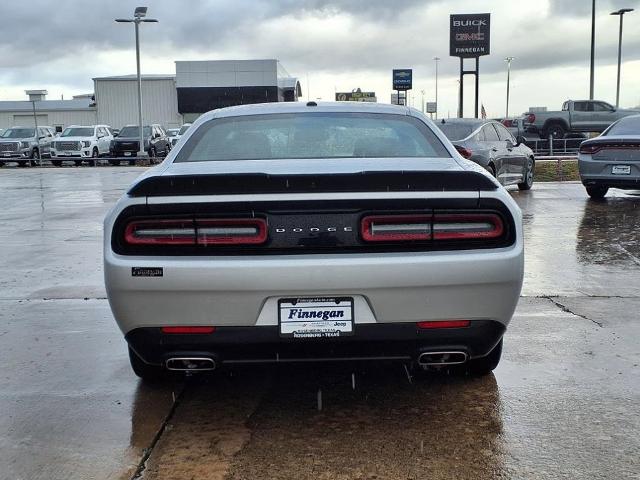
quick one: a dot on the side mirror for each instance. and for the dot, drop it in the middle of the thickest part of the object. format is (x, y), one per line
(520, 140)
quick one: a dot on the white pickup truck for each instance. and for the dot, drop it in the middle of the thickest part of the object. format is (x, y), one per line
(576, 116)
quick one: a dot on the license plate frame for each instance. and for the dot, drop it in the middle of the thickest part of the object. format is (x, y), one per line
(621, 170)
(312, 317)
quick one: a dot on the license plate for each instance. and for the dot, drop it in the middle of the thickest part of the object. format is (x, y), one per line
(621, 169)
(127, 154)
(67, 153)
(318, 317)
(6, 154)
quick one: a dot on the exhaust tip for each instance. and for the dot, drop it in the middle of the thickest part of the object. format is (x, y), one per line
(190, 364)
(442, 358)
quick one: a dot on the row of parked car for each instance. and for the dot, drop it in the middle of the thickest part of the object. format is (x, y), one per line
(85, 143)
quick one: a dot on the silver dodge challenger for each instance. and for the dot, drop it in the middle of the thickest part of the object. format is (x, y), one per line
(288, 232)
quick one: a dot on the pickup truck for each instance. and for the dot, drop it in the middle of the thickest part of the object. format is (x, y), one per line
(576, 116)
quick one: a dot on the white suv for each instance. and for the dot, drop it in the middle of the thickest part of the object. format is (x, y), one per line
(179, 135)
(79, 142)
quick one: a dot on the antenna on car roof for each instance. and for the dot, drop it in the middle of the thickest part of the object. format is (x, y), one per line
(443, 122)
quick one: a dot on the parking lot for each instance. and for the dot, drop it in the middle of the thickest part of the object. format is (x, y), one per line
(562, 404)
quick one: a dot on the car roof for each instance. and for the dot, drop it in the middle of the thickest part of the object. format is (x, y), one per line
(304, 107)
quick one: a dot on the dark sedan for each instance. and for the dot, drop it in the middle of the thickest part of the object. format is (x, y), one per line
(489, 144)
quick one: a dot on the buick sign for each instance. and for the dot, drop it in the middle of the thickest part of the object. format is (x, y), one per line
(469, 35)
(402, 79)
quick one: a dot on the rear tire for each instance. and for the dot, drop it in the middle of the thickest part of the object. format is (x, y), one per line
(528, 176)
(597, 192)
(556, 130)
(148, 373)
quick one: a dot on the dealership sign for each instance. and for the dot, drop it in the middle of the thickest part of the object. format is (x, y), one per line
(469, 35)
(356, 96)
(402, 79)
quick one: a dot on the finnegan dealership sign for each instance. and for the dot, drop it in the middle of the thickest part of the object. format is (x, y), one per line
(469, 35)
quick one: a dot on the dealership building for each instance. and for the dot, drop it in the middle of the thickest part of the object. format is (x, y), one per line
(170, 100)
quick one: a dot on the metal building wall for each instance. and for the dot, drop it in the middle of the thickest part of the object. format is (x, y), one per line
(117, 102)
(51, 118)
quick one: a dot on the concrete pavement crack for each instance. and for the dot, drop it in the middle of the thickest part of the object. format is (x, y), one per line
(568, 310)
(142, 464)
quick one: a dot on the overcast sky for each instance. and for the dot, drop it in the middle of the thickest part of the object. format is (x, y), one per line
(329, 45)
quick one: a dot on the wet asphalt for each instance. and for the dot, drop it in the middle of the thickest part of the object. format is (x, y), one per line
(563, 403)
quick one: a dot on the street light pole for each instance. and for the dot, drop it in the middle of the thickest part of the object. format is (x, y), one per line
(139, 17)
(621, 13)
(437, 59)
(593, 48)
(508, 60)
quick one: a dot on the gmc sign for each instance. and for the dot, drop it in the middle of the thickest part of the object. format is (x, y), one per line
(469, 35)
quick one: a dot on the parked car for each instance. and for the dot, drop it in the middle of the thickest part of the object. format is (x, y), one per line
(181, 132)
(515, 126)
(172, 132)
(612, 160)
(81, 142)
(576, 116)
(126, 144)
(25, 144)
(492, 146)
(288, 232)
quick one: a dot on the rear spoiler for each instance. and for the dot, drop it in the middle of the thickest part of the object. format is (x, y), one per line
(261, 183)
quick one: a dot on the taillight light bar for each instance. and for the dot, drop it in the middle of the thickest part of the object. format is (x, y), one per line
(390, 228)
(449, 226)
(590, 149)
(467, 226)
(219, 231)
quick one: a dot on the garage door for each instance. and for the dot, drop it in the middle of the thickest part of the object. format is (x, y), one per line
(27, 120)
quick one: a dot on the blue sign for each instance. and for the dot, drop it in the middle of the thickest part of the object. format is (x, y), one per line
(402, 79)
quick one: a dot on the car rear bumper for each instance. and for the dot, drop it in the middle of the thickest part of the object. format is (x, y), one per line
(244, 291)
(263, 344)
(599, 173)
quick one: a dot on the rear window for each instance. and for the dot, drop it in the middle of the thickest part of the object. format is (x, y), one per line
(626, 126)
(456, 131)
(311, 135)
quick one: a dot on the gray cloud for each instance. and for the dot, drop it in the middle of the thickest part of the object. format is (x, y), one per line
(58, 46)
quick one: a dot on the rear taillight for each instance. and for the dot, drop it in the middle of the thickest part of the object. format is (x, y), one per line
(465, 152)
(232, 231)
(440, 226)
(467, 226)
(160, 232)
(390, 228)
(593, 148)
(188, 330)
(531, 118)
(443, 324)
(589, 149)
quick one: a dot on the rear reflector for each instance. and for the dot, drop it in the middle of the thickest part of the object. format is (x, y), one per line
(444, 324)
(223, 231)
(389, 228)
(188, 330)
(467, 226)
